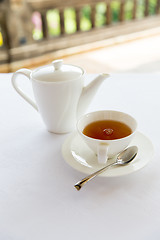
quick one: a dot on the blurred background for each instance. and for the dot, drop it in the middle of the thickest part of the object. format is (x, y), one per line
(101, 36)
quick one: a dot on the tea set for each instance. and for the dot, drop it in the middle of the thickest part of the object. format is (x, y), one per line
(62, 100)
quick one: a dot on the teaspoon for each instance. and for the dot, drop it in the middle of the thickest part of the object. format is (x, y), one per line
(123, 158)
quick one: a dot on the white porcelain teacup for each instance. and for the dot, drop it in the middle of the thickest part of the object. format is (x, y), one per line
(107, 148)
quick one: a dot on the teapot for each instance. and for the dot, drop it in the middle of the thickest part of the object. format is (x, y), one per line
(60, 95)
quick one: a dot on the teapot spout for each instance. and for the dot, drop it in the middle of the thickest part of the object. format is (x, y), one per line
(89, 92)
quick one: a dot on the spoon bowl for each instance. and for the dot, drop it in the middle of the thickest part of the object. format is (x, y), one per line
(123, 158)
(127, 155)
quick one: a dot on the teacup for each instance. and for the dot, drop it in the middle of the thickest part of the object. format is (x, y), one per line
(116, 130)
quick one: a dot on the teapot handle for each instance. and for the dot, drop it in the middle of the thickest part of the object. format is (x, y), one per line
(27, 73)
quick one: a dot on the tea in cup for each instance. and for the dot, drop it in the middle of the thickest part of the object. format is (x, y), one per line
(107, 132)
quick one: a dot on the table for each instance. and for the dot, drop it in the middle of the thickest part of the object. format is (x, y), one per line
(37, 197)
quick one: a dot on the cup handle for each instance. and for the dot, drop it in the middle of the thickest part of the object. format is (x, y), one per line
(25, 72)
(102, 153)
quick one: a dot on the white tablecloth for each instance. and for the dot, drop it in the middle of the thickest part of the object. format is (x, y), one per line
(37, 197)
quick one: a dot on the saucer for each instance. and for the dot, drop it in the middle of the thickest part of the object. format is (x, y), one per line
(79, 156)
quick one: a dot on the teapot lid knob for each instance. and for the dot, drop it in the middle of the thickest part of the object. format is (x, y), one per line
(57, 64)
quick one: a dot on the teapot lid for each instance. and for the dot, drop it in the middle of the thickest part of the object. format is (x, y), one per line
(57, 72)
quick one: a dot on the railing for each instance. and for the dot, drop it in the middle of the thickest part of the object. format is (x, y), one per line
(22, 46)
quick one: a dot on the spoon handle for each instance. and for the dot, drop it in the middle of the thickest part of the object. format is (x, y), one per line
(79, 184)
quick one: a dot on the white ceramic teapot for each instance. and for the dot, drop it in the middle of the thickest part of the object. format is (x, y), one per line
(59, 93)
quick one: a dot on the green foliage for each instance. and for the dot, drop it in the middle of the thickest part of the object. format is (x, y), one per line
(37, 34)
(70, 20)
(140, 9)
(115, 9)
(152, 7)
(128, 8)
(53, 21)
(100, 14)
(85, 22)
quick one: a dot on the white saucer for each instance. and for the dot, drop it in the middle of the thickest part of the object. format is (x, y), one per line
(78, 155)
